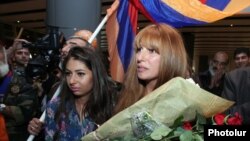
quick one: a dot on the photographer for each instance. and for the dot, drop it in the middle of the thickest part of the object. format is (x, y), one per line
(38, 72)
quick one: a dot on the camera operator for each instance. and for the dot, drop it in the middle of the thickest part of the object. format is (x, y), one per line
(42, 79)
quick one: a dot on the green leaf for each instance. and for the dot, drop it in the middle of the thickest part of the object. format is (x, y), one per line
(160, 132)
(178, 121)
(198, 137)
(179, 131)
(201, 119)
(200, 128)
(129, 138)
(186, 136)
(156, 136)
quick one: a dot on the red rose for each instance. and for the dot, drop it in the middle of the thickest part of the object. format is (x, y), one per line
(187, 125)
(235, 120)
(219, 119)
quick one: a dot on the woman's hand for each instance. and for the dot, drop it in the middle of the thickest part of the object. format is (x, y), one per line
(35, 126)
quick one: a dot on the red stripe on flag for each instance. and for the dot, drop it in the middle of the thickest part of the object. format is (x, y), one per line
(133, 13)
(203, 1)
(140, 7)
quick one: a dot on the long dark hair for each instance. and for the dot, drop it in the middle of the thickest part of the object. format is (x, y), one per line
(101, 102)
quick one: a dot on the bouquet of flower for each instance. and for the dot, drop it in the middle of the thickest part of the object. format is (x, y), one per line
(222, 119)
(188, 131)
(160, 114)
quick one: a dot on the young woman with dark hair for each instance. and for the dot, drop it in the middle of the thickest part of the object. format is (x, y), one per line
(86, 99)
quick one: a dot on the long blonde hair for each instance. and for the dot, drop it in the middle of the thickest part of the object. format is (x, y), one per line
(169, 44)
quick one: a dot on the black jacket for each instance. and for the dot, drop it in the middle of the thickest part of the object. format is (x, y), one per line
(205, 80)
(237, 88)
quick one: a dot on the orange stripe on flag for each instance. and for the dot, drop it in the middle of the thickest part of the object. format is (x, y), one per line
(112, 30)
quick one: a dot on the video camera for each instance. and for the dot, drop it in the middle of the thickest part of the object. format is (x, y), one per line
(45, 53)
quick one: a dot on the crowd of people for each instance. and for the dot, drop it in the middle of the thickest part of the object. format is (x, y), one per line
(88, 96)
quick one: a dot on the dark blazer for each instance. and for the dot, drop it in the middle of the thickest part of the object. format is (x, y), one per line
(237, 88)
(205, 80)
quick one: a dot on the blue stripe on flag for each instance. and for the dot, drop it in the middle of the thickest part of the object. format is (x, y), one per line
(162, 13)
(217, 4)
(126, 34)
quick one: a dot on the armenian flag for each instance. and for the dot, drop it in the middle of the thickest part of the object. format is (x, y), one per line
(122, 24)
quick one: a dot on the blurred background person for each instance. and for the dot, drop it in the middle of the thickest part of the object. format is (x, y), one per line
(80, 38)
(19, 55)
(4, 82)
(237, 89)
(212, 79)
(241, 57)
(20, 97)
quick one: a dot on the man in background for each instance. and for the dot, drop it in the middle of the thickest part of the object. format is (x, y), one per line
(237, 89)
(242, 57)
(80, 38)
(212, 79)
(19, 55)
(20, 97)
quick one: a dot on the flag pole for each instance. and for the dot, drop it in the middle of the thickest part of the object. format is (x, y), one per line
(42, 118)
(98, 29)
(93, 36)
(19, 33)
(110, 11)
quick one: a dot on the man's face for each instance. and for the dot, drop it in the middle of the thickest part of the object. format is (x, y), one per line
(241, 60)
(219, 62)
(21, 56)
(71, 43)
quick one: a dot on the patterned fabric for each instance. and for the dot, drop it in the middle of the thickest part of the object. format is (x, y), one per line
(4, 83)
(68, 129)
(121, 26)
(21, 101)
